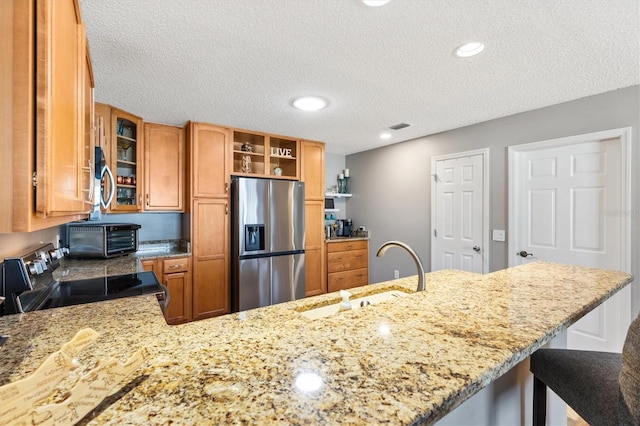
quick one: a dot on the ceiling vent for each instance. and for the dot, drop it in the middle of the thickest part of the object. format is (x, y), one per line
(399, 126)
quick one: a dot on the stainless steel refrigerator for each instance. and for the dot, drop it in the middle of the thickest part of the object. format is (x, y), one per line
(267, 242)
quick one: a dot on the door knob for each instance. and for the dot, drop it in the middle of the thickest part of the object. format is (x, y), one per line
(523, 253)
(476, 249)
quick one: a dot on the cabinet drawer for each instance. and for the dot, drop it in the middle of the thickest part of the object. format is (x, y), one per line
(346, 260)
(347, 245)
(347, 279)
(170, 266)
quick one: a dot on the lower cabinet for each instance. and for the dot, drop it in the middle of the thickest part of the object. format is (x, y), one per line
(347, 264)
(210, 251)
(175, 274)
(316, 278)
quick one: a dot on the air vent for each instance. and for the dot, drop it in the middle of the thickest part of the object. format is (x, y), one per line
(399, 126)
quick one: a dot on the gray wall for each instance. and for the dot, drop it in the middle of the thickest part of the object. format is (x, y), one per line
(392, 186)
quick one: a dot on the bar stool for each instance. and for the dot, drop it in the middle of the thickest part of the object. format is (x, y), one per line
(603, 388)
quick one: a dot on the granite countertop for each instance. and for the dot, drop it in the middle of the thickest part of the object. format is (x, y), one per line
(407, 361)
(344, 239)
(78, 269)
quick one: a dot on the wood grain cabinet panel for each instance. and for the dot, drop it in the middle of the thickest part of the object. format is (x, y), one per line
(347, 264)
(347, 279)
(43, 99)
(210, 149)
(175, 274)
(312, 174)
(176, 277)
(345, 260)
(164, 167)
(312, 170)
(210, 243)
(126, 146)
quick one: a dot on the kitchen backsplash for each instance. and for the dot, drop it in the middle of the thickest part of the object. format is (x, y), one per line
(154, 226)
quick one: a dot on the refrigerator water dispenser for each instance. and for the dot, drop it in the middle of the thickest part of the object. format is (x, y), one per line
(253, 237)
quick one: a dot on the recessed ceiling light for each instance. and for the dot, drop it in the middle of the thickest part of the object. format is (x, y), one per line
(469, 49)
(310, 103)
(385, 135)
(375, 3)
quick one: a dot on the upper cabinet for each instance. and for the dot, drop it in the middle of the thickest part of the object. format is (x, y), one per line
(46, 90)
(164, 167)
(209, 160)
(127, 151)
(312, 170)
(265, 155)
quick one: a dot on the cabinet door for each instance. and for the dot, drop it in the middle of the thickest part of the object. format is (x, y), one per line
(88, 140)
(314, 248)
(179, 309)
(164, 167)
(312, 170)
(127, 150)
(59, 108)
(151, 265)
(210, 237)
(209, 161)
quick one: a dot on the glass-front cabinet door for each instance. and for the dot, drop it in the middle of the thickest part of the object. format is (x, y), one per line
(127, 151)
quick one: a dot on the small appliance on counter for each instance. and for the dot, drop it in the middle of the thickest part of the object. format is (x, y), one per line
(101, 240)
(28, 283)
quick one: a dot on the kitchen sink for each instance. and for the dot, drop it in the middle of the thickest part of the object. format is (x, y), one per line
(369, 299)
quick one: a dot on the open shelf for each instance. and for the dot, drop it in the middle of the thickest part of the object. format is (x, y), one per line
(264, 155)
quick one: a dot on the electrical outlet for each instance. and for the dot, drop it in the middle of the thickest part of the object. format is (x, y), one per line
(396, 274)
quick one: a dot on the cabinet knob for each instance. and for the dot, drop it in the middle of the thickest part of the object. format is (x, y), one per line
(226, 187)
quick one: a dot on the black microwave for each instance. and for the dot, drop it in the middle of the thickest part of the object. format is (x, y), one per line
(102, 240)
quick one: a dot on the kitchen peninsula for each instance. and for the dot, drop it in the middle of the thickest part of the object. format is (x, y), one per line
(406, 361)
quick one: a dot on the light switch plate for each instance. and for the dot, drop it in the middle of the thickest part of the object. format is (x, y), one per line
(499, 235)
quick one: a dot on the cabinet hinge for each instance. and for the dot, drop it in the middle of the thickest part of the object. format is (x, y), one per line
(34, 179)
(436, 179)
(435, 233)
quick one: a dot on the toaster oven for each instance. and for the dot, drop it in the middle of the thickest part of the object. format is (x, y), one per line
(102, 240)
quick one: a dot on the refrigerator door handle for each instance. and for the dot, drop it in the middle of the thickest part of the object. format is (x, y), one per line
(112, 185)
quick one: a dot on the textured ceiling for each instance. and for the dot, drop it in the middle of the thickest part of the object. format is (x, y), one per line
(239, 63)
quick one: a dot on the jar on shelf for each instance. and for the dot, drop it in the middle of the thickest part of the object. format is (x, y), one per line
(246, 147)
(246, 164)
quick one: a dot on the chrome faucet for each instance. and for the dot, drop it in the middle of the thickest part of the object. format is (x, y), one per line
(383, 248)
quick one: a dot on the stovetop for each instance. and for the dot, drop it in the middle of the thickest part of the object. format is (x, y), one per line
(28, 283)
(69, 293)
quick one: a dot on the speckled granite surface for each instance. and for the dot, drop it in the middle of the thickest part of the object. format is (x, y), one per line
(344, 239)
(406, 361)
(78, 269)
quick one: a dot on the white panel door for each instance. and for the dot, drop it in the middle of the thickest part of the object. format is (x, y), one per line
(459, 213)
(570, 203)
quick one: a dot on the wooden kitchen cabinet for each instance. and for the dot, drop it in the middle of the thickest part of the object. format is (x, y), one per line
(210, 245)
(347, 264)
(264, 155)
(312, 170)
(44, 94)
(316, 282)
(209, 161)
(175, 274)
(312, 174)
(126, 149)
(164, 167)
